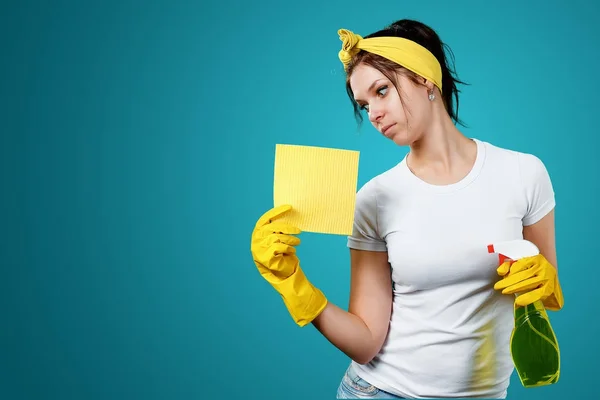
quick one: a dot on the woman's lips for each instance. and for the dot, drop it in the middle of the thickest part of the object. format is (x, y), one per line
(386, 129)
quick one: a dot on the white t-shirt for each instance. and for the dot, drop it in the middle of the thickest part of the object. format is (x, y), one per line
(449, 333)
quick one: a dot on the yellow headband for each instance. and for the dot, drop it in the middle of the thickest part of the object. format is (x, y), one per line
(407, 53)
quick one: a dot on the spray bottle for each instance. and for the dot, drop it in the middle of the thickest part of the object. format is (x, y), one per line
(533, 344)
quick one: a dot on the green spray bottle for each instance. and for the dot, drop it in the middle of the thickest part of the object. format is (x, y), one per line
(533, 344)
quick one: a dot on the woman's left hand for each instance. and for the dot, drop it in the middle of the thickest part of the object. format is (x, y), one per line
(533, 278)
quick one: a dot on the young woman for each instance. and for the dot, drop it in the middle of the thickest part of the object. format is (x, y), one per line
(431, 311)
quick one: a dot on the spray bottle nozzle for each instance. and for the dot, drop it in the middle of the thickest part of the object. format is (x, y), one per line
(513, 249)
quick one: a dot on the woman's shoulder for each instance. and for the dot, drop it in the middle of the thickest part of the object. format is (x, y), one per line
(502, 153)
(524, 166)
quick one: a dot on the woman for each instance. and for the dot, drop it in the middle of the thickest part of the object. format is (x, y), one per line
(430, 311)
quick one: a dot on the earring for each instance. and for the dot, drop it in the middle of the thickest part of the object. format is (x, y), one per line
(431, 96)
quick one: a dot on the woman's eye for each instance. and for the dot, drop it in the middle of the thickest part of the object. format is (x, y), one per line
(365, 107)
(382, 90)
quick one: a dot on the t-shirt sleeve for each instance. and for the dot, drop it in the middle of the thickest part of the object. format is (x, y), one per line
(538, 188)
(365, 231)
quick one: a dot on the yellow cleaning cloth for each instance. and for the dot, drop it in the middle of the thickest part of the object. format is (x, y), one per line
(320, 185)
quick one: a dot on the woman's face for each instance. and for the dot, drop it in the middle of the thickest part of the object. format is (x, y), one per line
(377, 95)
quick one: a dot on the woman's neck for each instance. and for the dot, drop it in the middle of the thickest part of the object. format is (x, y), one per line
(443, 154)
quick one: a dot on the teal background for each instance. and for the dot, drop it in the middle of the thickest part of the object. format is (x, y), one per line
(137, 148)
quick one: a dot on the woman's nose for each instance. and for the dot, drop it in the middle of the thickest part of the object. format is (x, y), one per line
(375, 114)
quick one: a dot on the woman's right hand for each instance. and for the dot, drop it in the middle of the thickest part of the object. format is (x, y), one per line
(273, 245)
(274, 253)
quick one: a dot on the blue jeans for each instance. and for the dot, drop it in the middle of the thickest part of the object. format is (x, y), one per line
(353, 386)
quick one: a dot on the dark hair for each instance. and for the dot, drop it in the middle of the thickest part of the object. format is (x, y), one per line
(426, 37)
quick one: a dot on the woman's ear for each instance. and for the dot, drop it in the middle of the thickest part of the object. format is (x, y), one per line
(429, 85)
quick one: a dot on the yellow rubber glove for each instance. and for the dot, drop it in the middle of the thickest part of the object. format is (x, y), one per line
(533, 278)
(274, 253)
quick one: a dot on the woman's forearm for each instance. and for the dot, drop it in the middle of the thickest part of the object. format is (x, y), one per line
(347, 332)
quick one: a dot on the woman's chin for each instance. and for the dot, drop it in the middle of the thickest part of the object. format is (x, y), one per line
(401, 139)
